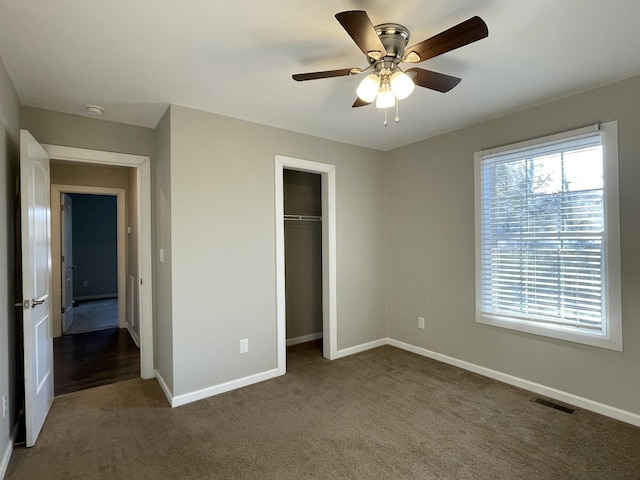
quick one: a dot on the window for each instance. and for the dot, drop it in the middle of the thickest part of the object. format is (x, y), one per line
(547, 237)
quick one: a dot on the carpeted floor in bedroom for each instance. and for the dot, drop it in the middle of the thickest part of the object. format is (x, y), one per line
(380, 414)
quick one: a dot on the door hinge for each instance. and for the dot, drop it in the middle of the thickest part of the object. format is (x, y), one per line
(61, 309)
(62, 258)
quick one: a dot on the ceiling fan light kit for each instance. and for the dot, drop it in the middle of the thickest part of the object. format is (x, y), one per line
(401, 85)
(368, 88)
(385, 48)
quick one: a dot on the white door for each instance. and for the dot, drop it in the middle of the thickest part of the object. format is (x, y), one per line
(36, 284)
(67, 261)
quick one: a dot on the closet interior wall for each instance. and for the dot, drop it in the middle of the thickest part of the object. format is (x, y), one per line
(303, 255)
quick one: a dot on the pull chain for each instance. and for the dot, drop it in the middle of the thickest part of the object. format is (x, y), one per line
(397, 119)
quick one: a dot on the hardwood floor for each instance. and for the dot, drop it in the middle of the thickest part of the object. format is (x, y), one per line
(87, 360)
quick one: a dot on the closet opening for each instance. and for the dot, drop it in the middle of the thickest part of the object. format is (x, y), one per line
(328, 291)
(303, 260)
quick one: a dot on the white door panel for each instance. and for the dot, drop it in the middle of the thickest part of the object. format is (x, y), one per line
(36, 284)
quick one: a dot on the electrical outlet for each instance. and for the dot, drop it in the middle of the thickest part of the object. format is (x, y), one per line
(421, 323)
(85, 283)
(244, 345)
(4, 406)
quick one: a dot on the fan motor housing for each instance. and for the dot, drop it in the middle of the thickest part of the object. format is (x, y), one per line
(394, 37)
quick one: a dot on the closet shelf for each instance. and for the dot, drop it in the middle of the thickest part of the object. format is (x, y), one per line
(303, 218)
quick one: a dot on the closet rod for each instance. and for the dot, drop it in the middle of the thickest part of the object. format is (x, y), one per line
(303, 218)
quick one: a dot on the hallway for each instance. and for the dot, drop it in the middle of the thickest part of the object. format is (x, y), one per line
(87, 360)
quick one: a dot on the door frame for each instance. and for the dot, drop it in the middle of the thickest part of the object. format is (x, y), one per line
(329, 295)
(56, 247)
(142, 166)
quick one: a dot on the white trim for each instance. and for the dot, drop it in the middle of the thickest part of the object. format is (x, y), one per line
(547, 140)
(329, 295)
(134, 335)
(121, 199)
(96, 297)
(612, 234)
(611, 336)
(8, 450)
(185, 398)
(164, 387)
(587, 404)
(560, 395)
(345, 352)
(6, 457)
(142, 164)
(303, 339)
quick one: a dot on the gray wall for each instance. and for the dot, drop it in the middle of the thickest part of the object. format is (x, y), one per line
(430, 250)
(162, 313)
(10, 363)
(223, 244)
(83, 132)
(303, 253)
(95, 245)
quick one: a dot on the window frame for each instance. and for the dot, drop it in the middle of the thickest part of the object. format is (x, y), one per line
(611, 337)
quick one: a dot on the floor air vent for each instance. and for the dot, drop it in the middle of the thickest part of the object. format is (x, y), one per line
(550, 404)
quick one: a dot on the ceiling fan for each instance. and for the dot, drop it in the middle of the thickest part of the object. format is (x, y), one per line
(385, 48)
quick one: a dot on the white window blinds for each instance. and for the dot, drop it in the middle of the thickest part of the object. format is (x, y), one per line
(542, 239)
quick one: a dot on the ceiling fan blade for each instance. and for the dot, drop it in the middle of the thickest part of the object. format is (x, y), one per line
(360, 103)
(299, 77)
(359, 27)
(462, 34)
(433, 80)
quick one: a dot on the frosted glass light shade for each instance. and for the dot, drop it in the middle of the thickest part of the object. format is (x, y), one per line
(385, 98)
(401, 85)
(368, 88)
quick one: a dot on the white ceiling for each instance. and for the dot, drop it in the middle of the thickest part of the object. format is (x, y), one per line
(235, 58)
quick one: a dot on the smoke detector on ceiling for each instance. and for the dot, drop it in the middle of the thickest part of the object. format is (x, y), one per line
(94, 110)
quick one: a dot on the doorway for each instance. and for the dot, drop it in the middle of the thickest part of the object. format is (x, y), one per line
(94, 343)
(92, 275)
(137, 231)
(303, 258)
(89, 254)
(328, 201)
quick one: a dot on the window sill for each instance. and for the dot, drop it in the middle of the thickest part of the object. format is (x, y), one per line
(610, 342)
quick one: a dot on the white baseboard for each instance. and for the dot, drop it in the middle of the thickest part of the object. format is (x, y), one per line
(179, 400)
(165, 388)
(303, 339)
(133, 334)
(6, 456)
(185, 398)
(575, 400)
(95, 297)
(8, 450)
(345, 352)
(571, 399)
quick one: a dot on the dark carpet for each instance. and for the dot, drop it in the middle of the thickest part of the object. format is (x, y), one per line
(381, 414)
